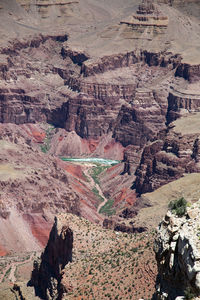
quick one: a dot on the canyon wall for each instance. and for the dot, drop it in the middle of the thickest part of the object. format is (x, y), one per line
(88, 97)
(129, 98)
(176, 150)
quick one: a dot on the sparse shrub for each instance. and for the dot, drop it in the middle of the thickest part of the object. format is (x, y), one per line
(107, 208)
(47, 141)
(135, 249)
(96, 171)
(96, 192)
(188, 294)
(178, 206)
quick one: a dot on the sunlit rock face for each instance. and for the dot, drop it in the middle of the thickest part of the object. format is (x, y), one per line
(177, 253)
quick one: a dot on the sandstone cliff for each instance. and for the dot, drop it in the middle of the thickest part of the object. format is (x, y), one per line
(47, 272)
(177, 249)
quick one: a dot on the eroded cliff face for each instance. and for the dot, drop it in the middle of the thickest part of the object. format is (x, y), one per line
(88, 97)
(47, 272)
(177, 254)
(125, 95)
(117, 98)
(173, 154)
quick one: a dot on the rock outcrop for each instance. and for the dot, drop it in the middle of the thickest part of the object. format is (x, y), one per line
(177, 249)
(47, 272)
(112, 224)
(182, 99)
(45, 9)
(148, 17)
(173, 154)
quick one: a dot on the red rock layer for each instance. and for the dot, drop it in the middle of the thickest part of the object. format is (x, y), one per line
(40, 228)
(66, 144)
(35, 132)
(75, 170)
(125, 195)
(3, 251)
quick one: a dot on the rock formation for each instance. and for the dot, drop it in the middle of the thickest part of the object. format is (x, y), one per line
(111, 224)
(147, 17)
(177, 249)
(183, 99)
(47, 272)
(45, 8)
(171, 156)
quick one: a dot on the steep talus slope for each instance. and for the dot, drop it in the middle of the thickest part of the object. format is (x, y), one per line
(16, 167)
(34, 186)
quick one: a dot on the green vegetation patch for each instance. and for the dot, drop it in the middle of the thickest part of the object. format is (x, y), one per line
(178, 207)
(96, 171)
(107, 208)
(96, 192)
(189, 295)
(47, 141)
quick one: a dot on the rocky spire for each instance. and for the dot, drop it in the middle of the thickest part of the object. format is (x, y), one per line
(47, 271)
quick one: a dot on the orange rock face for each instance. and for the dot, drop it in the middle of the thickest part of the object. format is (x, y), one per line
(126, 195)
(35, 132)
(74, 170)
(3, 252)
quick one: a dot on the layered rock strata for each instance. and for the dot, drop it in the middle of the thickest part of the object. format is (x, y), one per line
(87, 104)
(124, 97)
(182, 100)
(46, 8)
(171, 156)
(31, 181)
(147, 17)
(177, 249)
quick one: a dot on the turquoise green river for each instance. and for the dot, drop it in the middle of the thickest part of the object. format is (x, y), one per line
(102, 161)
